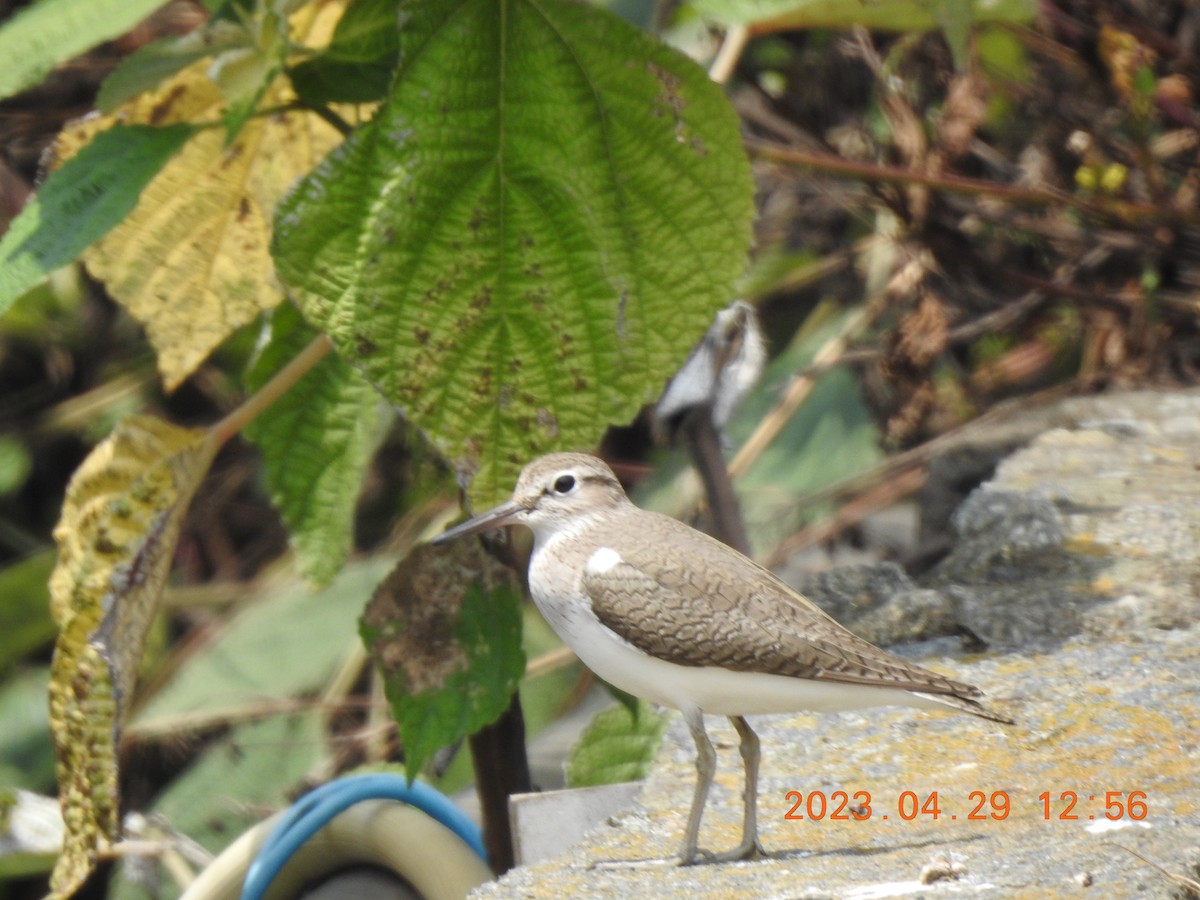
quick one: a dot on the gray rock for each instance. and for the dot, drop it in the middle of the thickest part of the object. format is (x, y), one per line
(1010, 580)
(1094, 528)
(880, 603)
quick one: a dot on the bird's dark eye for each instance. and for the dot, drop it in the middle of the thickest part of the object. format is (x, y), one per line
(564, 484)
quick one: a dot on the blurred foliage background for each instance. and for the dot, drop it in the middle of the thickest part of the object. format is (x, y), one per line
(955, 213)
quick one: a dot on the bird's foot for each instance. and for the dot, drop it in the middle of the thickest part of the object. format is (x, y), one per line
(751, 850)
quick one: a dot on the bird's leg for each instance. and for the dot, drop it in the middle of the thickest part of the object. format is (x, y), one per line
(706, 765)
(750, 755)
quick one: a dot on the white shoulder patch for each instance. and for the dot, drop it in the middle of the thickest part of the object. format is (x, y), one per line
(603, 560)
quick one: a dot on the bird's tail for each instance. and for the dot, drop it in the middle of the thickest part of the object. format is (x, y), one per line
(964, 704)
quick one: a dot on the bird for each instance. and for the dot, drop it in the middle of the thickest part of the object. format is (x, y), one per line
(671, 615)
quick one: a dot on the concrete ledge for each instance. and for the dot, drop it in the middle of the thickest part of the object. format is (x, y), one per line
(1124, 717)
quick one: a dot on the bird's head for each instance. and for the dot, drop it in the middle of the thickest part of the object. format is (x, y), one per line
(554, 493)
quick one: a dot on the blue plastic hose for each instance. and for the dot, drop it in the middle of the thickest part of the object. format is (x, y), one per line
(314, 810)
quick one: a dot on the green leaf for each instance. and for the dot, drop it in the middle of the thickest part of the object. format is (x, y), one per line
(15, 464)
(357, 65)
(147, 66)
(445, 630)
(618, 746)
(955, 19)
(287, 644)
(144, 69)
(82, 202)
(323, 80)
(367, 31)
(255, 767)
(884, 15)
(317, 441)
(244, 74)
(25, 623)
(26, 752)
(1003, 56)
(46, 33)
(544, 695)
(530, 235)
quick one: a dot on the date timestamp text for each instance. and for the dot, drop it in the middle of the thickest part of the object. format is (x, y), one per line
(979, 806)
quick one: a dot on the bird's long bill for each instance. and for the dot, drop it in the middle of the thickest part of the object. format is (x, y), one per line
(496, 517)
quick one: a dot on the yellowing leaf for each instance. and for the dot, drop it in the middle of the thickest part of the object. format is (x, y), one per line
(120, 521)
(191, 262)
(81, 201)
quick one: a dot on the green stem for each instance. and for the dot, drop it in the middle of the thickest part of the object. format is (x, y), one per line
(323, 112)
(329, 116)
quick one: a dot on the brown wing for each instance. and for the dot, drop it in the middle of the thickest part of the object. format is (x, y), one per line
(706, 605)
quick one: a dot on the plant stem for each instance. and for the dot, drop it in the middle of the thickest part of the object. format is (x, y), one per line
(958, 184)
(727, 57)
(282, 381)
(797, 392)
(704, 445)
(329, 116)
(501, 770)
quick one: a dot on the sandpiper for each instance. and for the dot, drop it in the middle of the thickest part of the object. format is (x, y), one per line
(671, 615)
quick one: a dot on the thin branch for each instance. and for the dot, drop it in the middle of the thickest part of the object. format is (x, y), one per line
(885, 493)
(1189, 884)
(380, 724)
(177, 867)
(796, 393)
(905, 473)
(78, 412)
(337, 692)
(810, 273)
(205, 719)
(958, 184)
(317, 109)
(329, 116)
(997, 320)
(894, 466)
(136, 848)
(727, 57)
(280, 384)
(1121, 302)
(552, 661)
(704, 446)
